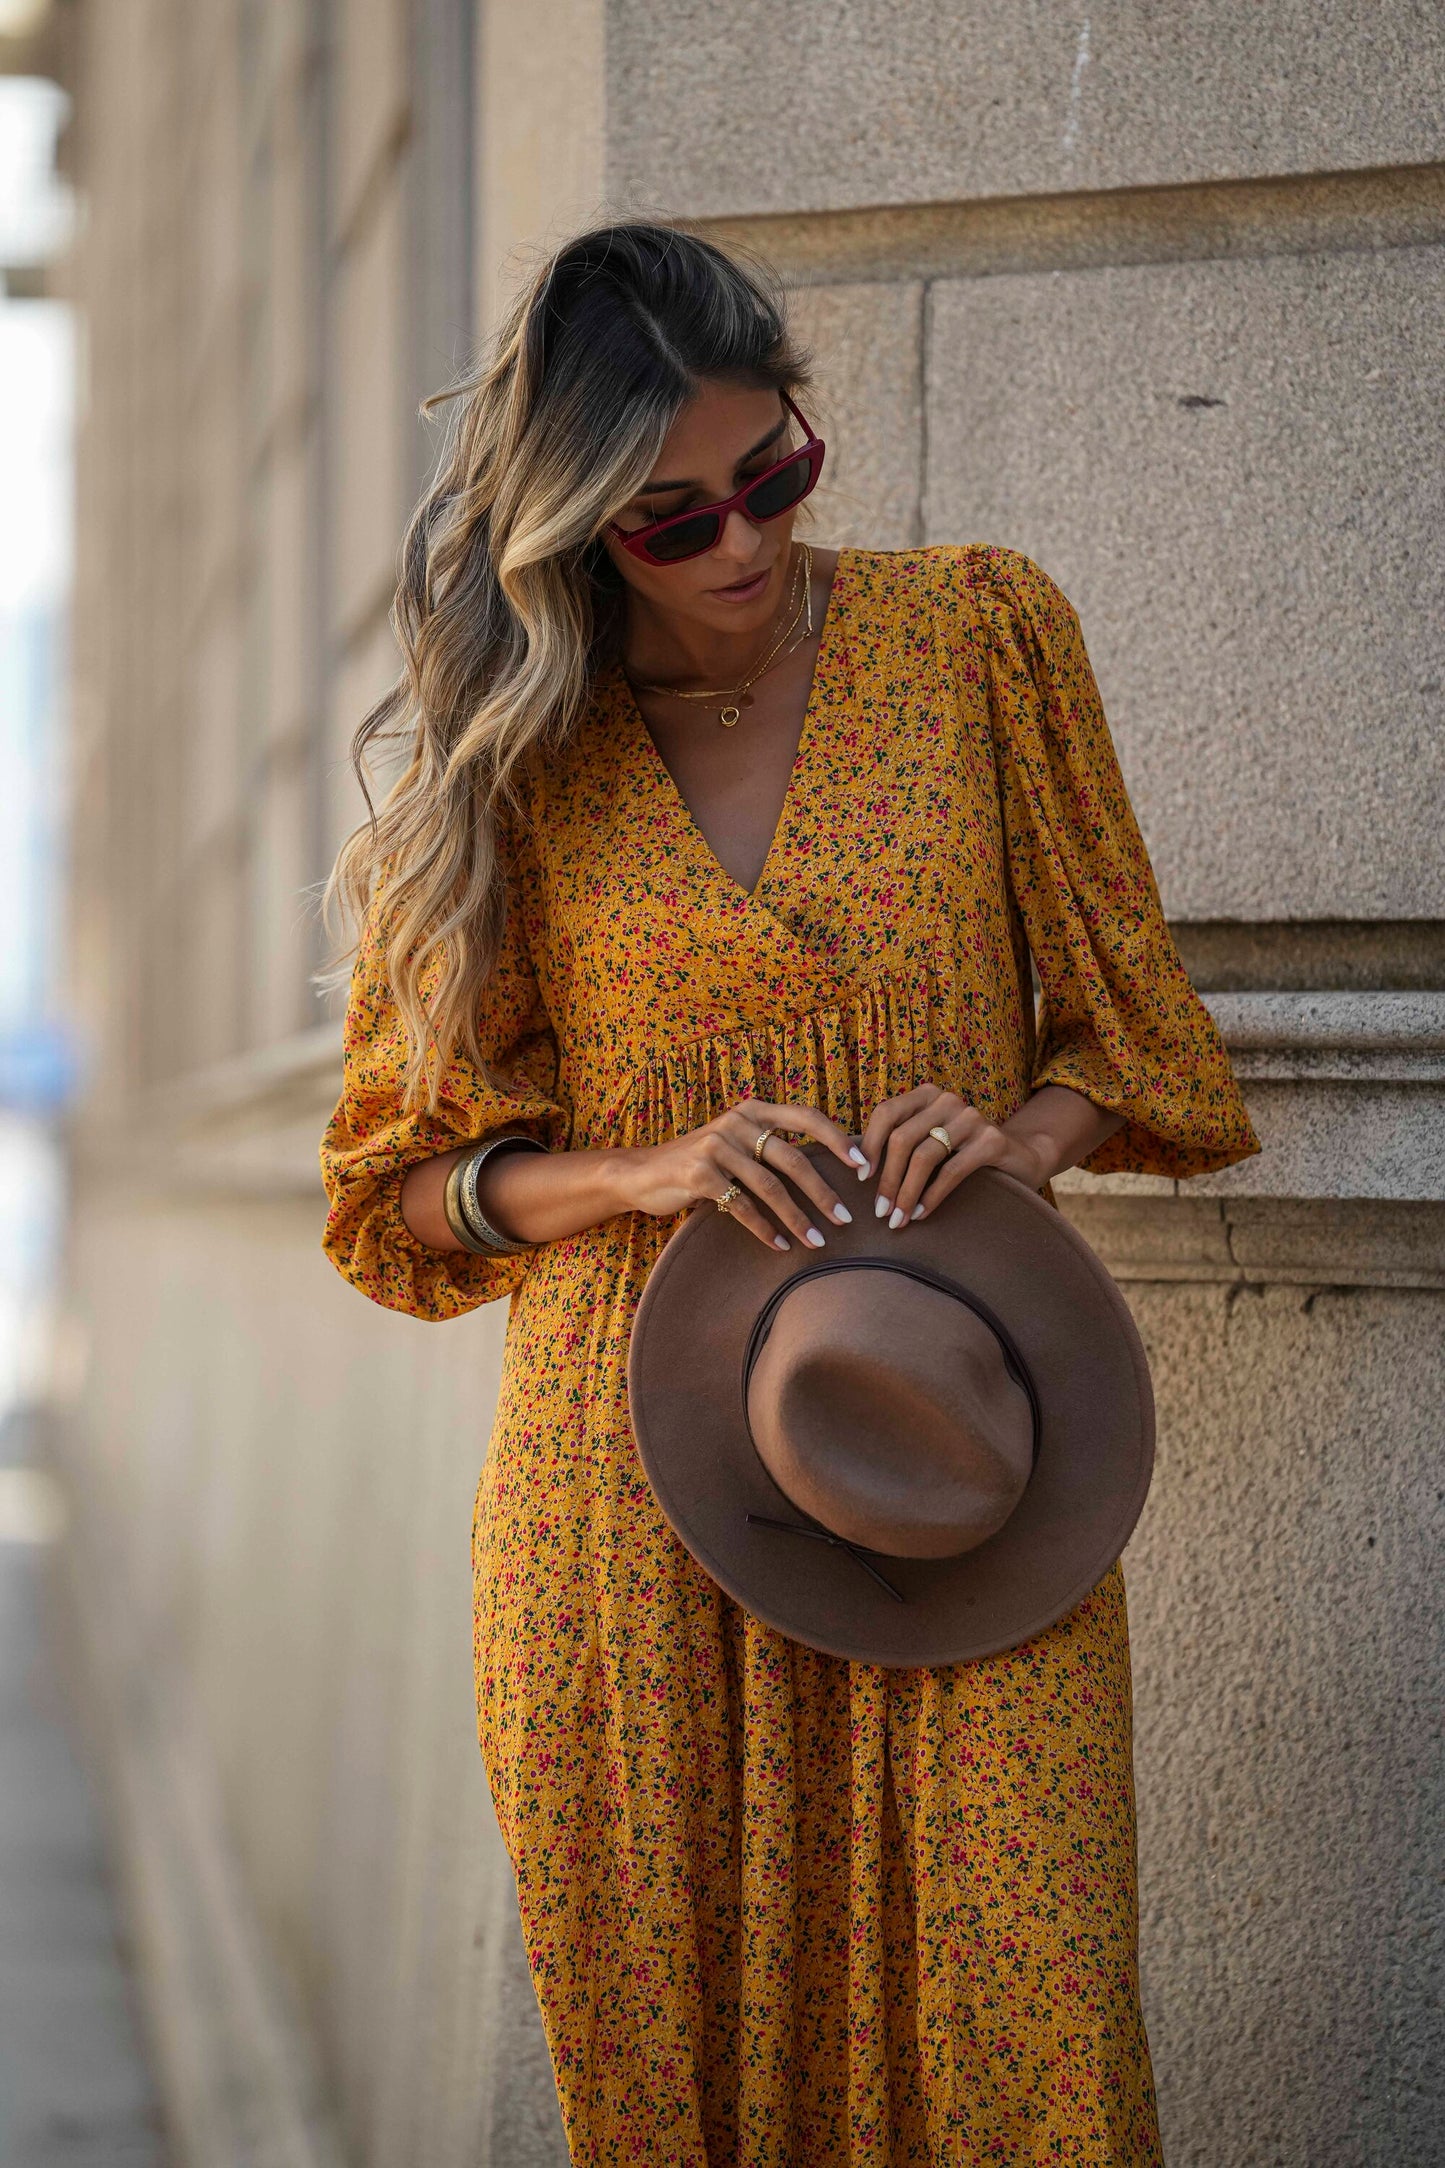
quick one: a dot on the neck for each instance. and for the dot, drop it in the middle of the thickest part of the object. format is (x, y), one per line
(679, 651)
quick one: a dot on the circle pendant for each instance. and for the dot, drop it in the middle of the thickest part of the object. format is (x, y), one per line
(728, 718)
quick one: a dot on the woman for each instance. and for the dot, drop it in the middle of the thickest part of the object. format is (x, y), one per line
(703, 842)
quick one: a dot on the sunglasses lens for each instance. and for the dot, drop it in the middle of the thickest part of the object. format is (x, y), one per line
(689, 538)
(777, 491)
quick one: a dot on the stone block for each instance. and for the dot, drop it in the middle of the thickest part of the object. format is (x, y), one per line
(290, 269)
(1284, 1600)
(370, 669)
(1337, 1241)
(867, 344)
(213, 179)
(373, 418)
(782, 105)
(1226, 467)
(278, 913)
(539, 135)
(1356, 956)
(1298, 1241)
(211, 773)
(1152, 1237)
(371, 99)
(211, 949)
(284, 513)
(1321, 1139)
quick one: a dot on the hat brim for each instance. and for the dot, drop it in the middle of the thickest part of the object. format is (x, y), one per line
(1096, 1445)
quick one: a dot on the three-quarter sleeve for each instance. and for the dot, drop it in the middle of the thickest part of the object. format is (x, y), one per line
(370, 1142)
(1119, 1019)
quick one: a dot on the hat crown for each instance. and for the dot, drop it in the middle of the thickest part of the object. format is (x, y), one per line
(882, 1407)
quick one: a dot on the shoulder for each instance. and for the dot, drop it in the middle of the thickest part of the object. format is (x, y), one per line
(976, 588)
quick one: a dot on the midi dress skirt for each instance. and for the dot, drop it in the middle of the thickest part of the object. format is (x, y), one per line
(783, 1910)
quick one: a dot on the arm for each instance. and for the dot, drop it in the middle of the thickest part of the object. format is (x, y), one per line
(1053, 1129)
(536, 1197)
(1130, 1072)
(374, 1142)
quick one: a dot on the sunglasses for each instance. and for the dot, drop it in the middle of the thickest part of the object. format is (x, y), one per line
(767, 496)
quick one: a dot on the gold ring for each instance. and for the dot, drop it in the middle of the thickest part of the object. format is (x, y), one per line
(940, 1136)
(730, 1196)
(762, 1140)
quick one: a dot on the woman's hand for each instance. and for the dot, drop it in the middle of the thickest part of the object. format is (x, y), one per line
(702, 1165)
(1054, 1129)
(548, 1196)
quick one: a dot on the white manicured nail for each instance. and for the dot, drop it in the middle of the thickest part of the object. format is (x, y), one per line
(857, 1157)
(842, 1215)
(864, 1171)
(918, 1211)
(780, 1242)
(882, 1206)
(815, 1238)
(896, 1219)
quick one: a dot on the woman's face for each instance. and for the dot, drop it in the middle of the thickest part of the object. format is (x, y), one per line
(728, 433)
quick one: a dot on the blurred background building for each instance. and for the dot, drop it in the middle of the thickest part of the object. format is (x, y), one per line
(1154, 294)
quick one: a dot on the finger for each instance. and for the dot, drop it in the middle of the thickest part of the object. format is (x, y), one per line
(755, 1219)
(929, 1156)
(944, 1108)
(794, 1166)
(772, 1192)
(807, 1122)
(983, 1150)
(885, 1119)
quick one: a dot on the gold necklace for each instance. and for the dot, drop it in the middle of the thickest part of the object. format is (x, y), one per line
(735, 697)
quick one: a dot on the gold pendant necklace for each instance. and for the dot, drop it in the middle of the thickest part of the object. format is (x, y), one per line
(735, 697)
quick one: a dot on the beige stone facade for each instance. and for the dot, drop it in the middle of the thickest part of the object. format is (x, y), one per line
(1156, 294)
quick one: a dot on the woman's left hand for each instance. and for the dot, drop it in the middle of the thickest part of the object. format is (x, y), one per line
(916, 1170)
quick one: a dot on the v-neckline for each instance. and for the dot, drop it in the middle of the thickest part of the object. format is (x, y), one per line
(664, 779)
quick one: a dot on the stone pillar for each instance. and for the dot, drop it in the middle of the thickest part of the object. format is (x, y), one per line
(1162, 303)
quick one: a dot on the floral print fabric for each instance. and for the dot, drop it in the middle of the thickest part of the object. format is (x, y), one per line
(783, 1911)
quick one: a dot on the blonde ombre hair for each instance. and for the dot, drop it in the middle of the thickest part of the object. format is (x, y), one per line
(507, 599)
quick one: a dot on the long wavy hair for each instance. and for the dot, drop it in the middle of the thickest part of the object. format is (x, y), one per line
(507, 600)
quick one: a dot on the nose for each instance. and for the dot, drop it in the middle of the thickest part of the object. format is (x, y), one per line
(739, 539)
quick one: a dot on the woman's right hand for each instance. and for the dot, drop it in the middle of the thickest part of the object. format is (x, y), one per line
(548, 1196)
(698, 1167)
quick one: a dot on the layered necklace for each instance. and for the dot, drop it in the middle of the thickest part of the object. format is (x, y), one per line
(730, 700)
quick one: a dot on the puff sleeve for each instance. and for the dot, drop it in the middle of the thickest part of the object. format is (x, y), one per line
(1119, 1019)
(370, 1142)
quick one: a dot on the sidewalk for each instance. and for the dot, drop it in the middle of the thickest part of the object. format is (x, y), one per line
(74, 2088)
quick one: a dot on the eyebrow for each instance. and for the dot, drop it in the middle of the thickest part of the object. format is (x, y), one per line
(654, 489)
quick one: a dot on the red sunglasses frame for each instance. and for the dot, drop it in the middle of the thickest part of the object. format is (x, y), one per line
(812, 449)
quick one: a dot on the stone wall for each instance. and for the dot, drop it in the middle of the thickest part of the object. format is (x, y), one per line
(1154, 295)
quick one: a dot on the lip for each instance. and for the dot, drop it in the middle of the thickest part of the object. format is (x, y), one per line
(745, 590)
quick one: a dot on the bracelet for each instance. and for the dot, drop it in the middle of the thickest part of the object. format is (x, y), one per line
(465, 1217)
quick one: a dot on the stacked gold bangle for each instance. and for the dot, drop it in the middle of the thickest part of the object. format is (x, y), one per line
(465, 1217)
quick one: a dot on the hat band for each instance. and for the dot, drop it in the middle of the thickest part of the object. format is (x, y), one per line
(1014, 1363)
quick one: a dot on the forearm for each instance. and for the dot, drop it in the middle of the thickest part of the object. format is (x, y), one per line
(531, 1196)
(1057, 1128)
(547, 1196)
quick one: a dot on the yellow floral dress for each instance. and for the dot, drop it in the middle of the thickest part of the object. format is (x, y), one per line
(784, 1911)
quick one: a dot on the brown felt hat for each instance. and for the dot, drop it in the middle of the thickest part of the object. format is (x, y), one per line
(917, 1447)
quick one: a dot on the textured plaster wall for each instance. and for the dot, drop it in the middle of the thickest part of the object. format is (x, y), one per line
(1287, 1639)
